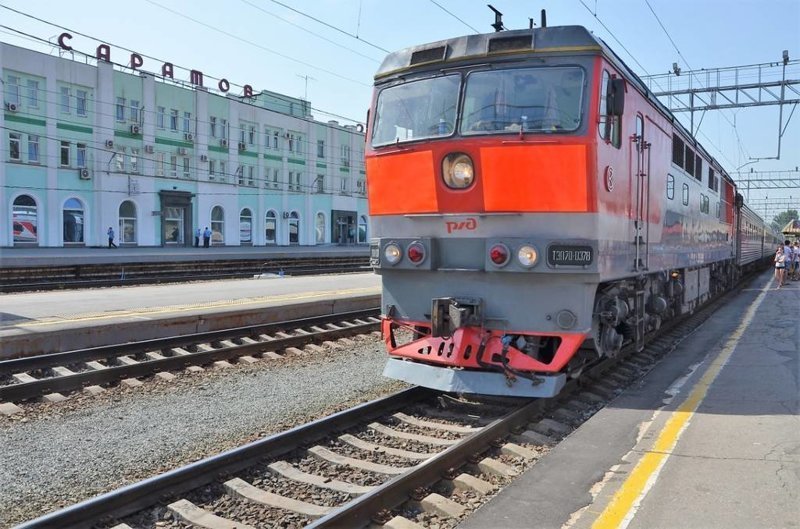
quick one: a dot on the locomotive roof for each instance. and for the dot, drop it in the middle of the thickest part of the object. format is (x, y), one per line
(555, 39)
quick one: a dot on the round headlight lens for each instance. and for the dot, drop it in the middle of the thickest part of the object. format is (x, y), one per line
(527, 256)
(499, 254)
(458, 171)
(393, 253)
(416, 252)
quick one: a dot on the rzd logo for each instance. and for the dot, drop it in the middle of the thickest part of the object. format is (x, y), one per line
(470, 224)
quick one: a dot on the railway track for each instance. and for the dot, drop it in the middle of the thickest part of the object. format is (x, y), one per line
(51, 375)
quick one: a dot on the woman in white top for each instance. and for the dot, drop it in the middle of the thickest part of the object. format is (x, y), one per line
(780, 265)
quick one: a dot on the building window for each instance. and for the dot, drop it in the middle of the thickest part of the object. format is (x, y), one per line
(271, 227)
(361, 186)
(33, 94)
(119, 160)
(670, 186)
(251, 135)
(65, 96)
(14, 140)
(345, 185)
(80, 103)
(291, 142)
(294, 228)
(12, 90)
(33, 148)
(160, 117)
(240, 175)
(223, 129)
(320, 148)
(25, 220)
(159, 164)
(320, 183)
(251, 175)
(345, 156)
(319, 228)
(212, 126)
(127, 222)
(223, 175)
(73, 221)
(211, 167)
(362, 229)
(186, 172)
(65, 153)
(135, 111)
(120, 109)
(134, 160)
(81, 155)
(276, 138)
(173, 166)
(187, 118)
(217, 225)
(173, 120)
(241, 134)
(245, 227)
(685, 194)
(275, 181)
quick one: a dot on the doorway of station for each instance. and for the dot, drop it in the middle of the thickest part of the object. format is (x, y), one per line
(176, 218)
(343, 227)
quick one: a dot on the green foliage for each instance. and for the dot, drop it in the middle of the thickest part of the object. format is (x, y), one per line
(783, 219)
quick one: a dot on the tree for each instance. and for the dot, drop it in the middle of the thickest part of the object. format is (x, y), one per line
(783, 219)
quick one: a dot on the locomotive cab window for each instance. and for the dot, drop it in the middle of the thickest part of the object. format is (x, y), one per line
(685, 194)
(537, 100)
(610, 111)
(670, 186)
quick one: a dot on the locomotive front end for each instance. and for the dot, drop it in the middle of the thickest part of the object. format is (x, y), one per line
(479, 170)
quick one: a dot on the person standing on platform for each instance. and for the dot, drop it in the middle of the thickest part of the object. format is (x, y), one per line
(789, 253)
(796, 267)
(197, 233)
(110, 234)
(206, 237)
(780, 265)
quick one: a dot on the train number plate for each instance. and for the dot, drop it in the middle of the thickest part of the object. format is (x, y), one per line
(375, 255)
(569, 255)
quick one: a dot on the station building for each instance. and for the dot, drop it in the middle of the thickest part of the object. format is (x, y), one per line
(88, 145)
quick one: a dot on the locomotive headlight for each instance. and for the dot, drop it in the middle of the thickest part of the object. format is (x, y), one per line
(458, 171)
(527, 256)
(393, 253)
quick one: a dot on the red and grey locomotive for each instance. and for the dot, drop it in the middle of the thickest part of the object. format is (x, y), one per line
(535, 207)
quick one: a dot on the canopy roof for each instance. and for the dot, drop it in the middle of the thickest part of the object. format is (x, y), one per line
(793, 228)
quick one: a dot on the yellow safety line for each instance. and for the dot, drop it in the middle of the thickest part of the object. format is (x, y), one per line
(212, 304)
(623, 505)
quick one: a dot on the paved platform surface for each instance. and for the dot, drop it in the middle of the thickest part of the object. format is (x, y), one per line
(710, 438)
(27, 257)
(50, 317)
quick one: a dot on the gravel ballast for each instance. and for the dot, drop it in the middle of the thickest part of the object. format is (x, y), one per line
(120, 438)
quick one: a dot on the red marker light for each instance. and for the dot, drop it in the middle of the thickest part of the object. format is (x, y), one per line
(416, 252)
(499, 254)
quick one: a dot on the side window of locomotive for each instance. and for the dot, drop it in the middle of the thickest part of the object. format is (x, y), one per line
(670, 186)
(677, 150)
(685, 194)
(608, 125)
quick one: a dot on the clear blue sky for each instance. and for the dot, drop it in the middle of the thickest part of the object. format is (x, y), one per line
(709, 33)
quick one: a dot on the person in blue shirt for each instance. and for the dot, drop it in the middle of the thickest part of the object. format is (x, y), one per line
(110, 234)
(197, 234)
(206, 237)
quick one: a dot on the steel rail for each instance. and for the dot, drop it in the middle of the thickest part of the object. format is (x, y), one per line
(29, 363)
(137, 496)
(27, 390)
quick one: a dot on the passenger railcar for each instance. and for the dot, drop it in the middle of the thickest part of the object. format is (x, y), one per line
(535, 207)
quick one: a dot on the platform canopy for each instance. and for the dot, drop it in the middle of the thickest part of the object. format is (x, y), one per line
(793, 228)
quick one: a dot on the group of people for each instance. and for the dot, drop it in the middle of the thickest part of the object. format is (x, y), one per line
(206, 233)
(787, 263)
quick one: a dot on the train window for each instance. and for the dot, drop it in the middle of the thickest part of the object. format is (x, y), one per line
(718, 210)
(704, 206)
(689, 161)
(670, 186)
(677, 150)
(685, 194)
(416, 110)
(608, 126)
(711, 178)
(698, 167)
(523, 99)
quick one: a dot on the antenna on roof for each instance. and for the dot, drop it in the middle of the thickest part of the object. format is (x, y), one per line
(498, 18)
(544, 18)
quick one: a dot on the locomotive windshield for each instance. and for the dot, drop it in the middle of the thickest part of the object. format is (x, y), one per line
(527, 99)
(416, 110)
(542, 99)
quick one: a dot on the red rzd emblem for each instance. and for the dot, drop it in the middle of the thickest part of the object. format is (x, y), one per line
(470, 224)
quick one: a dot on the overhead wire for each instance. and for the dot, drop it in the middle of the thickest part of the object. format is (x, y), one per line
(440, 6)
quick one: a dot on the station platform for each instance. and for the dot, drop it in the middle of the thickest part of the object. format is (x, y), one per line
(55, 321)
(710, 438)
(31, 257)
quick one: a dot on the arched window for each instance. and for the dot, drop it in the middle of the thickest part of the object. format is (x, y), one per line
(271, 227)
(217, 225)
(245, 227)
(23, 217)
(127, 222)
(362, 229)
(294, 228)
(320, 228)
(73, 221)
